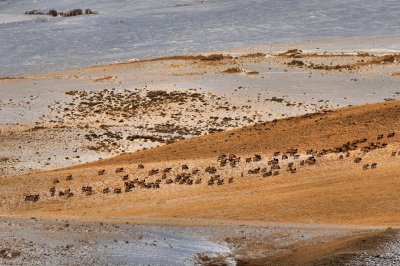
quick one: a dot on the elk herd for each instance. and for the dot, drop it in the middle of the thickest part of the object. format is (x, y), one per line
(290, 161)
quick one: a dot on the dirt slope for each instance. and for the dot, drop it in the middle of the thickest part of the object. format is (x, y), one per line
(331, 191)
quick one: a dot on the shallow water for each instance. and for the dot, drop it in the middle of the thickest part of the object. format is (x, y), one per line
(140, 29)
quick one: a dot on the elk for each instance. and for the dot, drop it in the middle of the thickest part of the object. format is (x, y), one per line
(32, 198)
(106, 190)
(69, 177)
(391, 134)
(125, 177)
(185, 167)
(357, 160)
(101, 172)
(167, 170)
(257, 158)
(248, 160)
(87, 190)
(140, 166)
(117, 191)
(374, 165)
(198, 181)
(52, 191)
(119, 170)
(56, 181)
(365, 166)
(230, 180)
(267, 174)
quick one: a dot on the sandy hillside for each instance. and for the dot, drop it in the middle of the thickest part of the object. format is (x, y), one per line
(319, 180)
(55, 120)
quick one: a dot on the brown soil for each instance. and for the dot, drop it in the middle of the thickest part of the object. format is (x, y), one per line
(337, 252)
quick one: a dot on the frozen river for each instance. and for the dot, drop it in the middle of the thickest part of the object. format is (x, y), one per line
(150, 28)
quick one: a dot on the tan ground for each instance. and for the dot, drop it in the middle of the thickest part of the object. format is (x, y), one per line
(331, 192)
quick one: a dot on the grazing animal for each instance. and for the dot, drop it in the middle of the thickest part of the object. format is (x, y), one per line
(257, 158)
(32, 198)
(210, 182)
(276, 153)
(61, 194)
(153, 172)
(167, 170)
(220, 182)
(106, 190)
(276, 173)
(374, 165)
(56, 181)
(117, 191)
(52, 191)
(275, 167)
(198, 181)
(267, 174)
(365, 166)
(169, 181)
(391, 134)
(211, 170)
(87, 190)
(358, 160)
(140, 166)
(195, 171)
(394, 153)
(119, 170)
(125, 177)
(185, 167)
(164, 176)
(302, 163)
(341, 157)
(285, 157)
(248, 160)
(230, 180)
(380, 136)
(101, 172)
(69, 177)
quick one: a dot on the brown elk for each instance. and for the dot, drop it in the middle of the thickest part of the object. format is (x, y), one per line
(257, 158)
(248, 160)
(198, 181)
(185, 167)
(125, 177)
(69, 177)
(101, 172)
(32, 198)
(119, 170)
(140, 166)
(87, 190)
(56, 181)
(52, 191)
(358, 160)
(106, 190)
(211, 170)
(117, 191)
(230, 180)
(391, 134)
(167, 170)
(374, 165)
(168, 181)
(153, 172)
(267, 174)
(365, 166)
